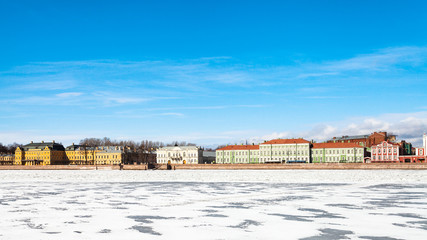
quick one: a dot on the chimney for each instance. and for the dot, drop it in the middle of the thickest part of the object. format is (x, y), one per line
(53, 141)
(31, 141)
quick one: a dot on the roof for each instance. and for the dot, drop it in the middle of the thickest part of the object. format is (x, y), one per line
(43, 145)
(336, 145)
(286, 141)
(240, 147)
(394, 144)
(179, 147)
(351, 137)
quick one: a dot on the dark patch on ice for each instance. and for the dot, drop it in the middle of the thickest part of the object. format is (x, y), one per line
(379, 238)
(292, 217)
(312, 210)
(59, 208)
(200, 225)
(83, 216)
(419, 224)
(208, 210)
(346, 206)
(78, 232)
(52, 232)
(245, 224)
(147, 219)
(319, 213)
(48, 193)
(105, 231)
(283, 199)
(330, 234)
(120, 207)
(75, 202)
(216, 215)
(232, 205)
(396, 186)
(70, 222)
(34, 226)
(400, 225)
(144, 229)
(412, 193)
(407, 215)
(20, 210)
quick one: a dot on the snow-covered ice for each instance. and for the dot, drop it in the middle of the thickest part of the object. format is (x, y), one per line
(245, 204)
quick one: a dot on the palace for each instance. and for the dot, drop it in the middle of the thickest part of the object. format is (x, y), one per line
(51, 153)
(44, 153)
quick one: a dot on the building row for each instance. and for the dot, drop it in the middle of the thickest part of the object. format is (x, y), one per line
(51, 153)
(291, 151)
(376, 147)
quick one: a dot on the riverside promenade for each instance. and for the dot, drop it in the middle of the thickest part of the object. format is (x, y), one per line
(307, 166)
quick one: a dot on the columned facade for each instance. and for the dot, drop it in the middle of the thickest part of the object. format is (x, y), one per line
(180, 155)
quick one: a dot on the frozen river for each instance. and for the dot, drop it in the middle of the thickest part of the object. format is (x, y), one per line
(202, 204)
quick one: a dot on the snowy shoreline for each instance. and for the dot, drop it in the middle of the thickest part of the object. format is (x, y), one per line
(256, 176)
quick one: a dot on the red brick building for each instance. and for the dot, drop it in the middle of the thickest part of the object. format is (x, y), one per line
(365, 140)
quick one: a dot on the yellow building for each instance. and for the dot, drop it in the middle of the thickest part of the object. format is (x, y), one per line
(49, 153)
(6, 159)
(80, 155)
(109, 155)
(103, 155)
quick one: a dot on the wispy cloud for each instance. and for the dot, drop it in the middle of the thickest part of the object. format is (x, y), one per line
(208, 74)
(69, 94)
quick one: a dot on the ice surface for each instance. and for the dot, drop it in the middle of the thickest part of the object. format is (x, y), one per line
(252, 204)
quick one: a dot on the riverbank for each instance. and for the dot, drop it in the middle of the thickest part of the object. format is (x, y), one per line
(316, 166)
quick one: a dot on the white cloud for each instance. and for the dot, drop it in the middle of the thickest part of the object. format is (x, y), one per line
(408, 126)
(69, 94)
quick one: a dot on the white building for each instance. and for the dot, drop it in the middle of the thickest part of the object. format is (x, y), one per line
(337, 152)
(238, 154)
(425, 144)
(180, 155)
(285, 150)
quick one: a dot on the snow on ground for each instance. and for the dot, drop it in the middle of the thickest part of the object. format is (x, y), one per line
(251, 204)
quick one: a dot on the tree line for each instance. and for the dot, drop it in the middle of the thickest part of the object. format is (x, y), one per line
(141, 152)
(9, 149)
(145, 145)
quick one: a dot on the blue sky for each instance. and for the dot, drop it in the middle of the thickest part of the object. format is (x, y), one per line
(211, 72)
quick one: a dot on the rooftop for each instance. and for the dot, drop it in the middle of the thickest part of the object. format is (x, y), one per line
(336, 145)
(42, 145)
(240, 147)
(286, 141)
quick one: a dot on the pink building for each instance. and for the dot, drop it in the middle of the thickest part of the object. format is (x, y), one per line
(385, 152)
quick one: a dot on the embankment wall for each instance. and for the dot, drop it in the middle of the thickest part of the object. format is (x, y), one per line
(309, 166)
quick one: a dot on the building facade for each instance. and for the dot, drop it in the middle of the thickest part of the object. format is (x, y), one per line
(238, 154)
(367, 141)
(7, 159)
(80, 155)
(337, 152)
(109, 155)
(49, 153)
(385, 152)
(102, 155)
(285, 150)
(180, 155)
(425, 143)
